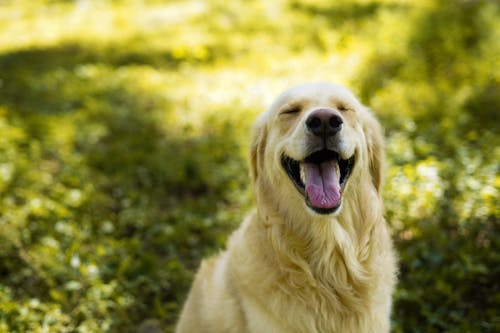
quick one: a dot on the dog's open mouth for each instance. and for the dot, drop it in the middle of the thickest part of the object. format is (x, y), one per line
(321, 178)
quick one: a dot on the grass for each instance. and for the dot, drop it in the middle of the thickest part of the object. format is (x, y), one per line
(125, 129)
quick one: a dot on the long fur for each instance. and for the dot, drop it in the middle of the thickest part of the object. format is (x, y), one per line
(288, 269)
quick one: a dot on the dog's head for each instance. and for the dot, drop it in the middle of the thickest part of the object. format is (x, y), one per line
(315, 147)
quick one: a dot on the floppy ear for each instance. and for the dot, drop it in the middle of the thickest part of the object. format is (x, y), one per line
(375, 143)
(259, 138)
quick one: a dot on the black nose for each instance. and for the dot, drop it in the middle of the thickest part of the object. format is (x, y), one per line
(324, 123)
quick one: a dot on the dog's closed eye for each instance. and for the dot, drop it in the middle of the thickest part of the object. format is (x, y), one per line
(344, 107)
(291, 109)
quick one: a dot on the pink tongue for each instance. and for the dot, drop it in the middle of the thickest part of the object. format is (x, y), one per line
(322, 184)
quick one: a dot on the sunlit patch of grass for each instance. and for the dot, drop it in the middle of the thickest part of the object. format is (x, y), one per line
(45, 23)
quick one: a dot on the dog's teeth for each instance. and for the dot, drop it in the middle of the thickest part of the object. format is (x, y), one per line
(337, 169)
(302, 173)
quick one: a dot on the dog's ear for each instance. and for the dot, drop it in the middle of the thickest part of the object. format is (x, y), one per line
(259, 138)
(375, 144)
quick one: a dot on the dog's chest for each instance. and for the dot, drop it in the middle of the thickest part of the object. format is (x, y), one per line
(293, 317)
(295, 306)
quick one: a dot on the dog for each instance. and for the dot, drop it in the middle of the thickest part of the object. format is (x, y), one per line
(315, 256)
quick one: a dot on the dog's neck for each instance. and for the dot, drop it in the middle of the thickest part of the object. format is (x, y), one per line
(329, 254)
(348, 230)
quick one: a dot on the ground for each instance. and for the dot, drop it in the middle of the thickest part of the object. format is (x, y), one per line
(124, 135)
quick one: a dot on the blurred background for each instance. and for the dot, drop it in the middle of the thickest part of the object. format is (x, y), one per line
(124, 131)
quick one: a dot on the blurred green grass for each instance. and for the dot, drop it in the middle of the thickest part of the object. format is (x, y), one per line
(124, 133)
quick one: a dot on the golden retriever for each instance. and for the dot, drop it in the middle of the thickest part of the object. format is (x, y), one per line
(315, 255)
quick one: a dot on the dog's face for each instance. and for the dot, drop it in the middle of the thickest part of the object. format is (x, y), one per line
(314, 141)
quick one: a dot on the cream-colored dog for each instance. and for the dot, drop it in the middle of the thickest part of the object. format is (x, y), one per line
(315, 255)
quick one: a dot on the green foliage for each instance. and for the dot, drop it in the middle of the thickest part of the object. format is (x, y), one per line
(124, 133)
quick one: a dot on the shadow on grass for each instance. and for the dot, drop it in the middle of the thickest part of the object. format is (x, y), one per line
(340, 14)
(22, 71)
